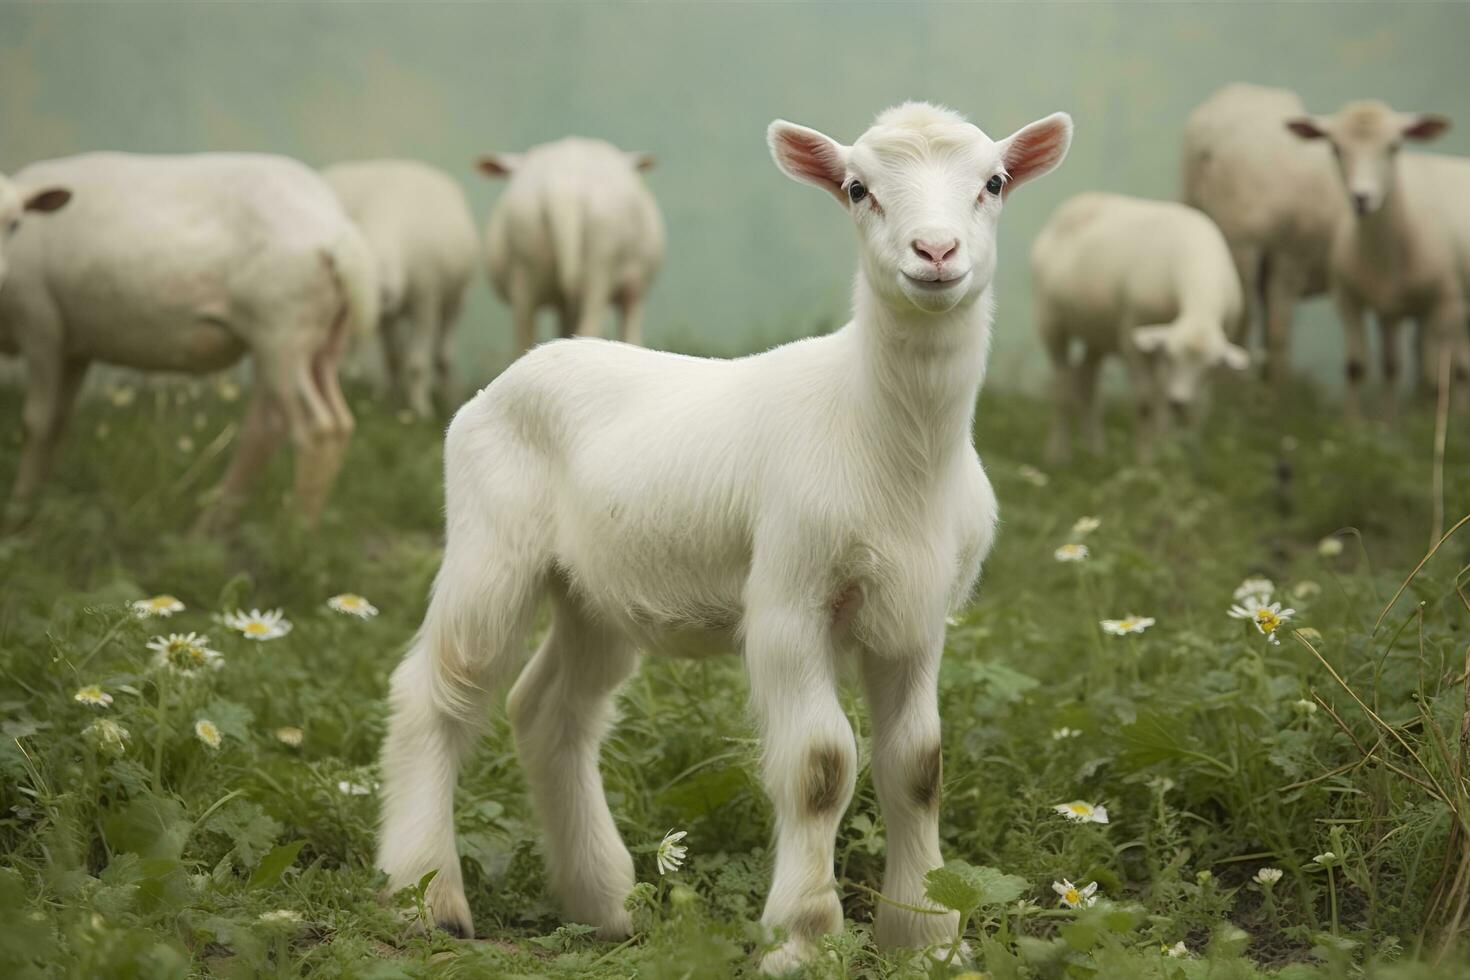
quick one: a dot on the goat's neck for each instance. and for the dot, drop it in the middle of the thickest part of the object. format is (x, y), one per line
(919, 373)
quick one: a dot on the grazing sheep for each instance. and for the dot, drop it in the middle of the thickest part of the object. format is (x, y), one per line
(816, 505)
(1273, 198)
(1150, 280)
(15, 201)
(1405, 252)
(184, 263)
(418, 224)
(575, 230)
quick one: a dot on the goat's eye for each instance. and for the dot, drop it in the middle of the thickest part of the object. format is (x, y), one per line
(856, 191)
(994, 184)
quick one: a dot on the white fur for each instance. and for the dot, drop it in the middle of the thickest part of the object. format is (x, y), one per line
(575, 230)
(15, 201)
(1274, 198)
(817, 504)
(422, 235)
(1404, 253)
(1150, 280)
(183, 263)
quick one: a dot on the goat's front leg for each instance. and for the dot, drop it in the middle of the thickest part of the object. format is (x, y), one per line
(809, 765)
(903, 696)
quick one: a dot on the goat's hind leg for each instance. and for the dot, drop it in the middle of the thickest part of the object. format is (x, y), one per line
(561, 708)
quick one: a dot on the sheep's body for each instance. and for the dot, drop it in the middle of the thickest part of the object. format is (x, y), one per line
(816, 504)
(1274, 198)
(418, 224)
(183, 263)
(15, 200)
(576, 230)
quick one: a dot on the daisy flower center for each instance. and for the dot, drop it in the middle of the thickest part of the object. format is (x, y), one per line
(1073, 897)
(1081, 809)
(1267, 620)
(256, 627)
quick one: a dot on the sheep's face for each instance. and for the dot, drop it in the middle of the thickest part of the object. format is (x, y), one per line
(925, 189)
(13, 204)
(1182, 356)
(1366, 138)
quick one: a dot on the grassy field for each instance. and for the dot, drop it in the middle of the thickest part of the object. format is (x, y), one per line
(1338, 756)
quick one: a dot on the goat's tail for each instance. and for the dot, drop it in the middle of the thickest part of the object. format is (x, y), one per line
(564, 220)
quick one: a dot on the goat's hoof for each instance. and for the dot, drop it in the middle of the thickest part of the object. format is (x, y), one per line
(789, 957)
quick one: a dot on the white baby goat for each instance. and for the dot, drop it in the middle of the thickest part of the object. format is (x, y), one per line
(816, 504)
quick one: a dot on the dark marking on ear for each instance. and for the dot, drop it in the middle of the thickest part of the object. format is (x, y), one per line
(51, 199)
(928, 778)
(1355, 371)
(826, 780)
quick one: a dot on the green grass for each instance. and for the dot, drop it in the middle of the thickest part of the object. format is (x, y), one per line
(160, 859)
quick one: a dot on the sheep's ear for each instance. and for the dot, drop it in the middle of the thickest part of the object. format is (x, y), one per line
(642, 161)
(1307, 128)
(1151, 340)
(498, 164)
(1035, 150)
(809, 156)
(1425, 126)
(50, 199)
(1235, 357)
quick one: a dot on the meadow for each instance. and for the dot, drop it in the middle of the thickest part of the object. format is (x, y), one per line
(138, 841)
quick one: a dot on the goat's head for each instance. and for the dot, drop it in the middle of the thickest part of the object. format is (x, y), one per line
(1181, 355)
(925, 189)
(1365, 138)
(14, 202)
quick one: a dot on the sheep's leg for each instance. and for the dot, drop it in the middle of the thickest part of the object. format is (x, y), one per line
(1283, 287)
(903, 696)
(390, 335)
(1150, 413)
(1091, 420)
(418, 354)
(328, 430)
(561, 708)
(523, 310)
(1388, 335)
(1065, 403)
(1355, 334)
(444, 382)
(1255, 273)
(631, 305)
(809, 765)
(260, 435)
(596, 292)
(471, 640)
(52, 383)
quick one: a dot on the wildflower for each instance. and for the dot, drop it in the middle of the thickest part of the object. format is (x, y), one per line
(1177, 951)
(1267, 615)
(1304, 707)
(1071, 552)
(1080, 812)
(122, 397)
(1085, 526)
(1329, 547)
(94, 695)
(1305, 589)
(184, 653)
(1074, 897)
(1253, 587)
(1033, 476)
(257, 625)
(280, 915)
(349, 788)
(159, 605)
(1267, 876)
(290, 735)
(1128, 624)
(108, 734)
(351, 604)
(207, 732)
(671, 852)
(186, 444)
(228, 390)
(1059, 734)
(1327, 859)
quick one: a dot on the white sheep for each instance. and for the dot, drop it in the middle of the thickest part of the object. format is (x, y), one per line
(575, 230)
(184, 263)
(815, 505)
(1272, 196)
(1150, 280)
(421, 232)
(1405, 252)
(15, 201)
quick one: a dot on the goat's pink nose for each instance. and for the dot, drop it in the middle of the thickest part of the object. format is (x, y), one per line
(936, 252)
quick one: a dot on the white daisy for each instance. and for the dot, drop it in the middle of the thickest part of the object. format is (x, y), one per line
(1177, 950)
(228, 390)
(257, 625)
(184, 653)
(1080, 812)
(1267, 876)
(122, 397)
(207, 732)
(159, 605)
(1059, 734)
(1073, 897)
(186, 444)
(1128, 624)
(671, 852)
(1329, 547)
(1033, 476)
(1071, 552)
(1267, 615)
(348, 788)
(94, 695)
(290, 735)
(108, 734)
(1085, 526)
(1253, 587)
(352, 604)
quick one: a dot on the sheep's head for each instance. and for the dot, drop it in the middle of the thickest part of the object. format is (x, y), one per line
(14, 202)
(924, 188)
(1365, 138)
(1180, 356)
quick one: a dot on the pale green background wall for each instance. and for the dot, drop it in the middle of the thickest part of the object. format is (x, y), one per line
(753, 257)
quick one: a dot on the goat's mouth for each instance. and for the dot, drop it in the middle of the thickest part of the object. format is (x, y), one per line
(937, 284)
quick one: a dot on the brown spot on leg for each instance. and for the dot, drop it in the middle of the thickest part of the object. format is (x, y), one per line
(826, 780)
(928, 777)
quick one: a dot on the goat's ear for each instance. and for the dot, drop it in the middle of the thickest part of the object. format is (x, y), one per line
(50, 199)
(1035, 150)
(1151, 340)
(1307, 128)
(498, 164)
(642, 161)
(1425, 126)
(1235, 357)
(809, 156)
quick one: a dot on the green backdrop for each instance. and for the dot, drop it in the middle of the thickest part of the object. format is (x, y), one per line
(753, 258)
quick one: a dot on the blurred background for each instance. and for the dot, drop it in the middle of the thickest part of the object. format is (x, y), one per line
(753, 259)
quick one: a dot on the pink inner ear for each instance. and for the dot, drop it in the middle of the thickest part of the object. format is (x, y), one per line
(810, 156)
(1034, 151)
